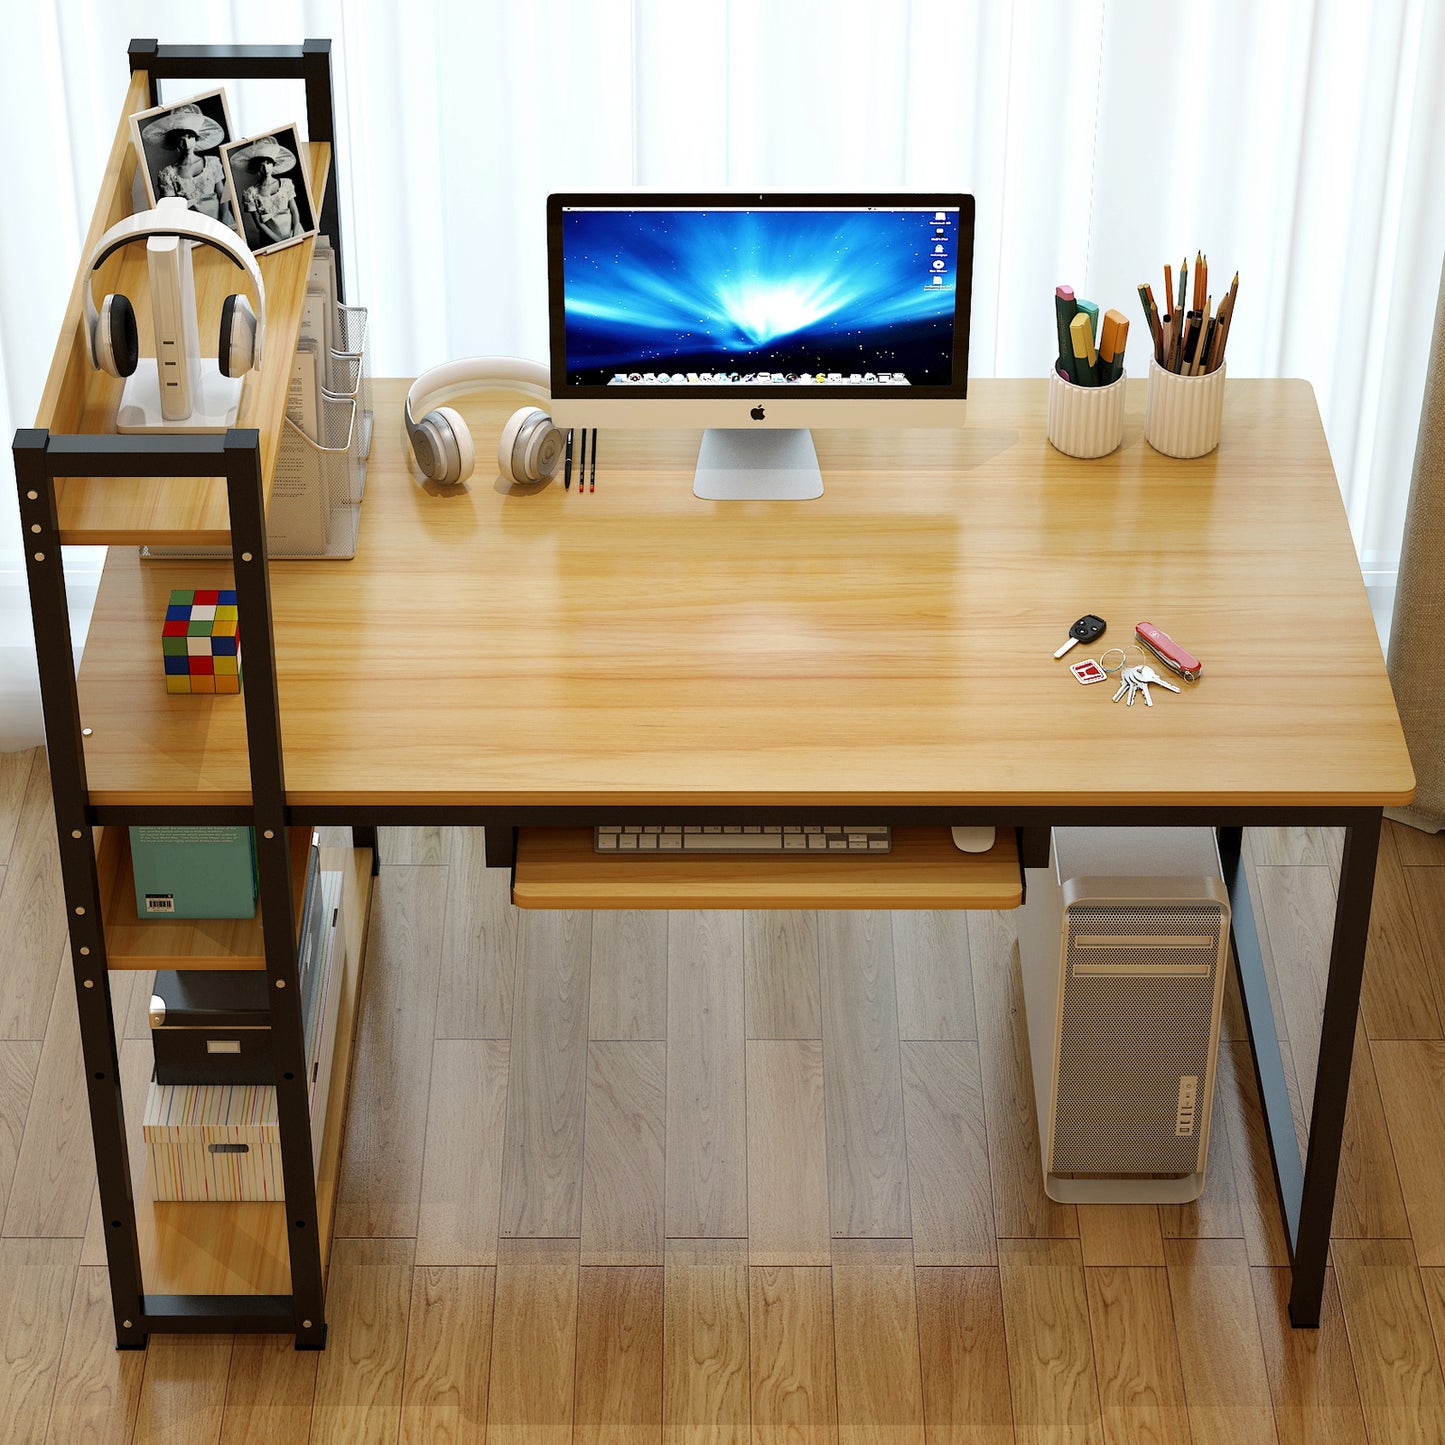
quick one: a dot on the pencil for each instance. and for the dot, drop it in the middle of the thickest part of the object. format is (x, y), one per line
(1228, 316)
(1146, 299)
(1201, 351)
(1217, 349)
(1156, 327)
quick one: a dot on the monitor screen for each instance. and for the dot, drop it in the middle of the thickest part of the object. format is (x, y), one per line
(822, 293)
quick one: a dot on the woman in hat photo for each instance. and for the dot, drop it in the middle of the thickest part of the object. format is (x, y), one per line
(173, 143)
(274, 211)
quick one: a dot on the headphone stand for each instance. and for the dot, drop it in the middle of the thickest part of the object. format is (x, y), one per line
(215, 400)
(192, 395)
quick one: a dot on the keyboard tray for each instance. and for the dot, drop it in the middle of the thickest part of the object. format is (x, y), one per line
(556, 868)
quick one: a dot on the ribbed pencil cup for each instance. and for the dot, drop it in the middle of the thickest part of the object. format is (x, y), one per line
(1182, 413)
(1085, 421)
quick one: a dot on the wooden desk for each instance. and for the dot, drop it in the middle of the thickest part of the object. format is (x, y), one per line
(890, 643)
(528, 655)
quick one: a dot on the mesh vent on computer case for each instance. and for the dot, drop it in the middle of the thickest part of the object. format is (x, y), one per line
(1137, 1013)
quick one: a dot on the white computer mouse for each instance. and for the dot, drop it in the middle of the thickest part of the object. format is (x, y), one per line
(973, 840)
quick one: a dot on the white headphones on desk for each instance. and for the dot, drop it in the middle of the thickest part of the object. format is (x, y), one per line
(110, 331)
(531, 446)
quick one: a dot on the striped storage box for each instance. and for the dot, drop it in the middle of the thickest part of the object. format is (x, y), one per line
(223, 1141)
(213, 1141)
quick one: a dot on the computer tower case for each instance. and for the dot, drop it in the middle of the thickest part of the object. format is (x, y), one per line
(1123, 946)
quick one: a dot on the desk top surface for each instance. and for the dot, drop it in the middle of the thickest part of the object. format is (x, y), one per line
(889, 643)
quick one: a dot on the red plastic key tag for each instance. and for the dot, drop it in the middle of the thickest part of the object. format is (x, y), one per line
(1169, 652)
(1088, 670)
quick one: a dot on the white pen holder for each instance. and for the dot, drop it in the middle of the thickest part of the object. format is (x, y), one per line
(1182, 413)
(1085, 421)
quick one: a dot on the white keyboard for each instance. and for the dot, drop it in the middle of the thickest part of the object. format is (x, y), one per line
(740, 838)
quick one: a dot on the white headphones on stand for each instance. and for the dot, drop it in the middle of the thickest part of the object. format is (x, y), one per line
(531, 446)
(110, 330)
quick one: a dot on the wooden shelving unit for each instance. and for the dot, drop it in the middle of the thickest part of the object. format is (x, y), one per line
(135, 942)
(191, 510)
(180, 1266)
(241, 1248)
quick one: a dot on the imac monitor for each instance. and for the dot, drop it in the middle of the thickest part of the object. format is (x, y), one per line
(757, 317)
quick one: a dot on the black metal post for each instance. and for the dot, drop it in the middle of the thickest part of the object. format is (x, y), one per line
(1332, 1080)
(268, 797)
(363, 835)
(143, 55)
(1034, 844)
(64, 744)
(321, 126)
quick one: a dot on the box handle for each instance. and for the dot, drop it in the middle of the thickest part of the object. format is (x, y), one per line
(229, 1148)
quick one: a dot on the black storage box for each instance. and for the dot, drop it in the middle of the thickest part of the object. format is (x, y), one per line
(211, 1026)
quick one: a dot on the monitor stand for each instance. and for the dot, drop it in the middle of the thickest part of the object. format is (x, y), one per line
(735, 465)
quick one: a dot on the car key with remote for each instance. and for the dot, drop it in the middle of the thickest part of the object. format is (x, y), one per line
(1086, 629)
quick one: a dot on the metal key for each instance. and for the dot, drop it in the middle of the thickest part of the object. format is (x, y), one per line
(1147, 673)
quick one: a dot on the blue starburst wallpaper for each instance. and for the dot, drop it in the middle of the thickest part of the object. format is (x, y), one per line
(803, 292)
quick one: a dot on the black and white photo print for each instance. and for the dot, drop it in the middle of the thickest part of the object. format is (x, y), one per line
(178, 146)
(269, 183)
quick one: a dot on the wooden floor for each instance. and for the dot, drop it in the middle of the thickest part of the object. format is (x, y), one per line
(723, 1177)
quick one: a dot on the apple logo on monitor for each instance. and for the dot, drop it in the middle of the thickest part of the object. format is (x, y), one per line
(757, 413)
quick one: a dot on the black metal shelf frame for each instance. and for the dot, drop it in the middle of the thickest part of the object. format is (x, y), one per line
(42, 458)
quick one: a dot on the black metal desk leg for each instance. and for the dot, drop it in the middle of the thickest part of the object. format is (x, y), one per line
(364, 836)
(1332, 1083)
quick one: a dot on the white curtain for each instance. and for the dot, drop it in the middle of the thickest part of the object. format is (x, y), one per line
(1291, 141)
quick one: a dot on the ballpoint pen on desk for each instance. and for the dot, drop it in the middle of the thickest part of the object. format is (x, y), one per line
(592, 475)
(567, 464)
(582, 464)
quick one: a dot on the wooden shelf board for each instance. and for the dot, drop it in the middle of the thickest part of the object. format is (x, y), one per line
(77, 398)
(222, 1248)
(135, 942)
(556, 868)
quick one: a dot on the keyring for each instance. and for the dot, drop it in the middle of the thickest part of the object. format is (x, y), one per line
(1123, 658)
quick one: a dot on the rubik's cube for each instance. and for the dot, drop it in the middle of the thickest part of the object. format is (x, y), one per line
(200, 643)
